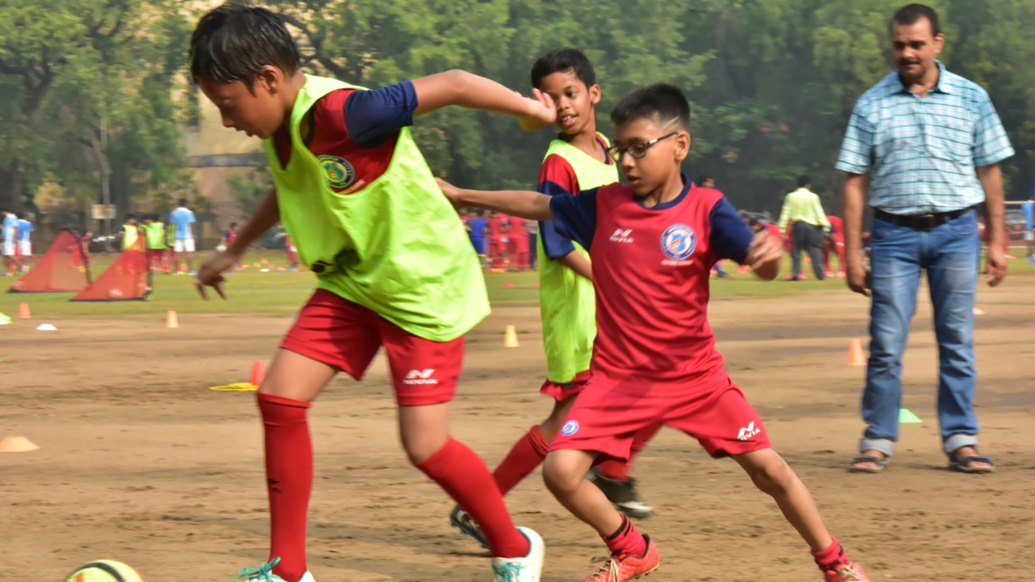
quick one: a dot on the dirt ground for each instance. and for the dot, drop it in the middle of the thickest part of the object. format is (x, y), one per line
(141, 462)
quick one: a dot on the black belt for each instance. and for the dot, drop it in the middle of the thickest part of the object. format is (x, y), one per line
(920, 221)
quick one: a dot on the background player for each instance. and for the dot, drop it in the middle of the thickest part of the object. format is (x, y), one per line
(655, 357)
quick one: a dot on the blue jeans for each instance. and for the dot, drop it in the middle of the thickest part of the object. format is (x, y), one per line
(898, 255)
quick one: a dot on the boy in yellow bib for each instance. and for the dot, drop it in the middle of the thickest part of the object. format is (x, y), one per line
(359, 201)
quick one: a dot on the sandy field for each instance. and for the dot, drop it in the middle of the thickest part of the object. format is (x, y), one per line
(140, 462)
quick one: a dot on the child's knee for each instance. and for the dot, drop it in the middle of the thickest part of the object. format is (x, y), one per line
(419, 450)
(561, 478)
(772, 477)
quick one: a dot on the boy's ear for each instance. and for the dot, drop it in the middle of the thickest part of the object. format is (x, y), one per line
(682, 140)
(270, 78)
(594, 94)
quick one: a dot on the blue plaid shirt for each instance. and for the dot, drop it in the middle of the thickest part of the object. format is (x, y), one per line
(921, 152)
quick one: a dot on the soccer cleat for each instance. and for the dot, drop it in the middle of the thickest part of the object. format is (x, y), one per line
(622, 494)
(264, 573)
(625, 567)
(527, 569)
(844, 572)
(460, 519)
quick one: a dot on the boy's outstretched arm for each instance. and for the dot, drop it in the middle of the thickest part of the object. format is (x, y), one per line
(211, 272)
(530, 205)
(469, 90)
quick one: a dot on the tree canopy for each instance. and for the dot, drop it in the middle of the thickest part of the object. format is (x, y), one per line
(772, 82)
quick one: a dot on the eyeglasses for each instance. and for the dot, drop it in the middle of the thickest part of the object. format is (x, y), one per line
(636, 150)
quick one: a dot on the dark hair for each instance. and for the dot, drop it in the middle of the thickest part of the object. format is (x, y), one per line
(804, 181)
(183, 201)
(702, 179)
(564, 60)
(233, 225)
(233, 43)
(912, 13)
(662, 102)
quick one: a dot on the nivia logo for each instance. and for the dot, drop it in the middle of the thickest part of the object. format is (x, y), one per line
(748, 431)
(622, 236)
(420, 377)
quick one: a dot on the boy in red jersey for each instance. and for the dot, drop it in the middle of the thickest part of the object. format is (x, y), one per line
(835, 244)
(392, 264)
(496, 246)
(655, 358)
(576, 160)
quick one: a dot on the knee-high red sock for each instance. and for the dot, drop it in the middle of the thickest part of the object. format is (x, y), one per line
(527, 454)
(626, 540)
(463, 475)
(289, 476)
(616, 469)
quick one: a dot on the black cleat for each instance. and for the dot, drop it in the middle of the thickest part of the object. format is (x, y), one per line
(622, 494)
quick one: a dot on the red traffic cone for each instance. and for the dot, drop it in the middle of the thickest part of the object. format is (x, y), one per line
(258, 373)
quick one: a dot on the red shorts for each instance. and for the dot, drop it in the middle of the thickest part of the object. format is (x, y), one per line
(346, 336)
(609, 412)
(561, 392)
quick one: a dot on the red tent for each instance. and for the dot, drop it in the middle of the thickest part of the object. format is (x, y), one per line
(127, 279)
(64, 268)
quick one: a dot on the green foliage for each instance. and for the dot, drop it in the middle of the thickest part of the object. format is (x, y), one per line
(772, 82)
(88, 84)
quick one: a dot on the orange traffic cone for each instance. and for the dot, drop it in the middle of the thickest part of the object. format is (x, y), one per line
(856, 357)
(258, 373)
(171, 321)
(510, 339)
(23, 311)
(979, 311)
(17, 444)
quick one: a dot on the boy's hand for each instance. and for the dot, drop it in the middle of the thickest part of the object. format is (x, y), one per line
(211, 273)
(764, 250)
(541, 112)
(451, 192)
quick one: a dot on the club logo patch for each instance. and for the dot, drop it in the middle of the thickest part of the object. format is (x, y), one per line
(678, 242)
(571, 427)
(338, 171)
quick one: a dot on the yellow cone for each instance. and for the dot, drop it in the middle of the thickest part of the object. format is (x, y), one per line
(171, 321)
(510, 340)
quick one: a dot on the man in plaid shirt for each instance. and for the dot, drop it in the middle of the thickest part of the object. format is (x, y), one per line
(927, 144)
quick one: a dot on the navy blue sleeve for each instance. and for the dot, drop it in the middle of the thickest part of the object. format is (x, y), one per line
(576, 216)
(371, 116)
(730, 236)
(554, 245)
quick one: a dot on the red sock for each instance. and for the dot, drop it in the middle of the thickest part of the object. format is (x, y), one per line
(289, 476)
(626, 540)
(463, 475)
(527, 454)
(618, 469)
(831, 556)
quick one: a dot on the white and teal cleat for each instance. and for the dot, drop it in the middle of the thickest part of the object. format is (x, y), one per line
(264, 573)
(527, 569)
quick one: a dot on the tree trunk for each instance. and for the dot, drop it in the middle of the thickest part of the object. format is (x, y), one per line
(12, 197)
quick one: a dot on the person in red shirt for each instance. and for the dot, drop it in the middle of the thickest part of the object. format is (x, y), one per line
(836, 243)
(518, 243)
(655, 358)
(496, 247)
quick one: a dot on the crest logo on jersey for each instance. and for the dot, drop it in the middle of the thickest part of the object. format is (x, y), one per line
(571, 427)
(338, 171)
(678, 242)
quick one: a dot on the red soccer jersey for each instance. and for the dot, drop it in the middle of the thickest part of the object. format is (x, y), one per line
(496, 227)
(518, 234)
(651, 270)
(837, 227)
(355, 132)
